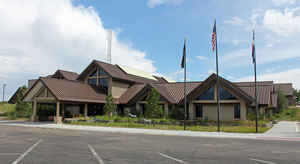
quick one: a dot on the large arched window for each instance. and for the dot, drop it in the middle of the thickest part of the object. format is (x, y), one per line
(99, 78)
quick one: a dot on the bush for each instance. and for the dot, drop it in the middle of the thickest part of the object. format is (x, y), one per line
(176, 113)
(22, 109)
(11, 115)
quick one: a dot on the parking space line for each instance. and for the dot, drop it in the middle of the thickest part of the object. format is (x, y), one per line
(172, 158)
(10, 153)
(261, 161)
(27, 152)
(95, 154)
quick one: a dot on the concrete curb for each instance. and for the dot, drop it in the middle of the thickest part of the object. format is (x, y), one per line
(150, 131)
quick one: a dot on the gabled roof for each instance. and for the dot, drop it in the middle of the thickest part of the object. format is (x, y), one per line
(171, 92)
(286, 88)
(71, 91)
(68, 75)
(210, 81)
(131, 93)
(115, 72)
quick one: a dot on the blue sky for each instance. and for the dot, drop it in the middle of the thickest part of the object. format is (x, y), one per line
(148, 34)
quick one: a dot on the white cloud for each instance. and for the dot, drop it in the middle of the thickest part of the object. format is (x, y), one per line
(283, 2)
(284, 23)
(201, 57)
(38, 37)
(287, 76)
(154, 3)
(236, 21)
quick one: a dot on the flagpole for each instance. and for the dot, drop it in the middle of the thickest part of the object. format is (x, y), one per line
(255, 82)
(185, 115)
(218, 96)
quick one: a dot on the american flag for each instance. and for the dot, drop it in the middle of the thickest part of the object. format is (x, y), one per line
(214, 37)
(253, 48)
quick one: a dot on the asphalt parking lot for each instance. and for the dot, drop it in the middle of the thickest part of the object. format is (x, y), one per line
(48, 146)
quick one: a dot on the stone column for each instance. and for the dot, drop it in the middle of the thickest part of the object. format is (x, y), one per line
(166, 112)
(33, 116)
(63, 110)
(58, 118)
(138, 109)
(191, 111)
(86, 110)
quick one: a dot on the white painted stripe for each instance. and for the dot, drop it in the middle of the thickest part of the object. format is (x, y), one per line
(10, 153)
(175, 159)
(261, 161)
(26, 152)
(96, 155)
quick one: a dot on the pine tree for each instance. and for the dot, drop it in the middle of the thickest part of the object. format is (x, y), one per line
(153, 109)
(110, 107)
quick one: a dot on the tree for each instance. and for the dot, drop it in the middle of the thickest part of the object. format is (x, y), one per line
(153, 109)
(297, 94)
(281, 102)
(22, 109)
(110, 107)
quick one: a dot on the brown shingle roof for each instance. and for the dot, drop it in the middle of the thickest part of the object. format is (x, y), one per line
(68, 75)
(65, 90)
(176, 90)
(131, 93)
(265, 89)
(116, 72)
(211, 80)
(286, 88)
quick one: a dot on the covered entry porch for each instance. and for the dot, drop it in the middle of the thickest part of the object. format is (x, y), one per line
(58, 111)
(67, 99)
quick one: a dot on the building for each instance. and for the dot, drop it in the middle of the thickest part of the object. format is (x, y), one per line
(287, 90)
(84, 94)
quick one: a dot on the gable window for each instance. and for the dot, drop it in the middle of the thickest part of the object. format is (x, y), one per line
(225, 95)
(99, 78)
(199, 110)
(208, 95)
(237, 111)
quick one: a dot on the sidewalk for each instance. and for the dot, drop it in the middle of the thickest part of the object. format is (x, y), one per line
(276, 133)
(285, 129)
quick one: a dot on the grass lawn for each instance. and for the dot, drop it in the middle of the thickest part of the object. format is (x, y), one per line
(5, 108)
(204, 128)
(290, 114)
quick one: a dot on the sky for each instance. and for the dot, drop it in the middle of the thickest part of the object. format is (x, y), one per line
(37, 37)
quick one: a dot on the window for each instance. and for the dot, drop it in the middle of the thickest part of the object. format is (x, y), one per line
(225, 95)
(103, 83)
(237, 111)
(94, 74)
(92, 81)
(199, 110)
(99, 78)
(208, 95)
(102, 72)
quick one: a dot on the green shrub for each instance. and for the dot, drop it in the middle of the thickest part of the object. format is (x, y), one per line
(11, 115)
(176, 113)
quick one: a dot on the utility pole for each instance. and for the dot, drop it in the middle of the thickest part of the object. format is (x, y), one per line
(4, 85)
